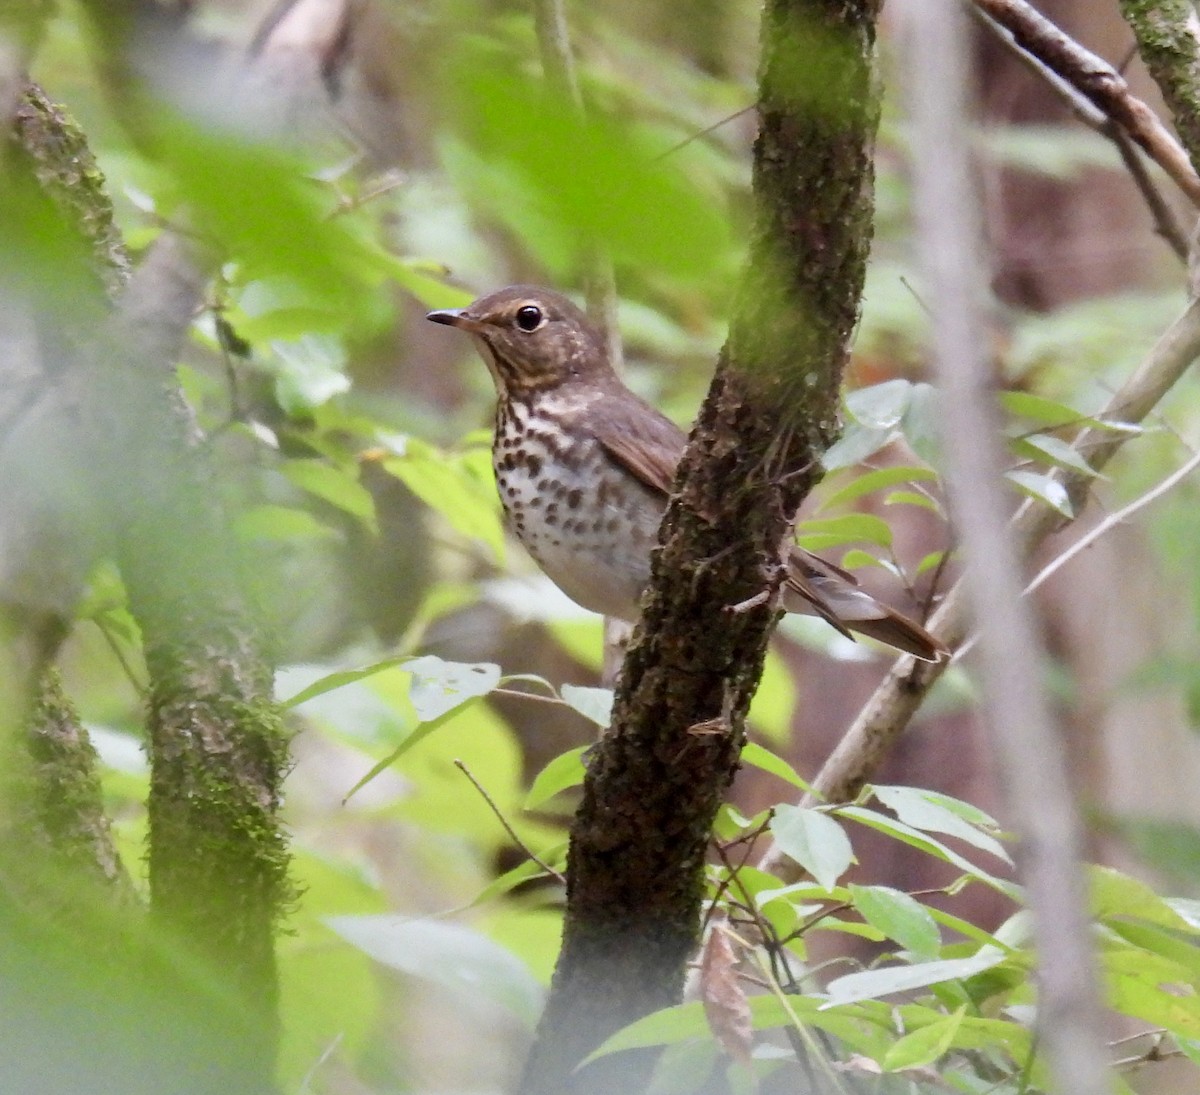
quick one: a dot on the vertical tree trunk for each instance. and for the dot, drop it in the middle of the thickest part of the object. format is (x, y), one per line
(635, 877)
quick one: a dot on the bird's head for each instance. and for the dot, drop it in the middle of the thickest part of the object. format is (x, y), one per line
(531, 339)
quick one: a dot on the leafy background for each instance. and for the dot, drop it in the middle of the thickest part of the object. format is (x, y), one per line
(352, 438)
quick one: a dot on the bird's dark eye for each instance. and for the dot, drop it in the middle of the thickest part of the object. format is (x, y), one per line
(529, 317)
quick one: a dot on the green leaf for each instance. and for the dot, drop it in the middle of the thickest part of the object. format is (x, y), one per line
(448, 485)
(872, 481)
(1114, 894)
(872, 984)
(930, 561)
(599, 193)
(336, 485)
(758, 757)
(269, 522)
(912, 498)
(340, 679)
(1152, 989)
(925, 1045)
(908, 835)
(592, 703)
(1038, 408)
(856, 444)
(439, 686)
(856, 559)
(927, 811)
(849, 528)
(1043, 488)
(899, 917)
(881, 406)
(1049, 449)
(565, 770)
(815, 841)
(449, 955)
(523, 872)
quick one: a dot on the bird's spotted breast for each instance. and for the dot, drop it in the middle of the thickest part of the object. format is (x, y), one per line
(589, 526)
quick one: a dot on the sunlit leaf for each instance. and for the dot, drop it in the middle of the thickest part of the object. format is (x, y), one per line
(594, 704)
(912, 498)
(1044, 488)
(814, 840)
(564, 771)
(849, 528)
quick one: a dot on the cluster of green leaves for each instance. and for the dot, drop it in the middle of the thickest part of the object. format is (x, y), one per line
(320, 267)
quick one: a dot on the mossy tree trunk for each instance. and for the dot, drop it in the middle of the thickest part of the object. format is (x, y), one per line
(635, 877)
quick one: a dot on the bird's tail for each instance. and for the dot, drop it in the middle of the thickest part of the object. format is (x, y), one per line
(817, 586)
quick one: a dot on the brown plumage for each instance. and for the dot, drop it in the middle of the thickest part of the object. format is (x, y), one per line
(584, 468)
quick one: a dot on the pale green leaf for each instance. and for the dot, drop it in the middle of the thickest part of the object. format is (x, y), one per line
(929, 813)
(872, 984)
(335, 485)
(924, 1045)
(871, 481)
(594, 704)
(899, 917)
(1044, 488)
(814, 840)
(439, 686)
(564, 771)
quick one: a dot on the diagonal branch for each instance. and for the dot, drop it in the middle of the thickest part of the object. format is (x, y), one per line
(1098, 82)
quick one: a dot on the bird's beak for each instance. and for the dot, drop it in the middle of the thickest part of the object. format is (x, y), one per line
(454, 317)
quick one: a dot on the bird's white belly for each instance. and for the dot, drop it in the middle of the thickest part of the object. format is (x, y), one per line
(593, 542)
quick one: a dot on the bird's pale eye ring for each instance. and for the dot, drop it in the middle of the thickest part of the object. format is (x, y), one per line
(529, 317)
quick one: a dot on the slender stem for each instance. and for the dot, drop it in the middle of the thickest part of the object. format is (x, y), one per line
(1027, 740)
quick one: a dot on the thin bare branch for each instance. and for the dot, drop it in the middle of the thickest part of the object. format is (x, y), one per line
(1098, 82)
(507, 827)
(1096, 119)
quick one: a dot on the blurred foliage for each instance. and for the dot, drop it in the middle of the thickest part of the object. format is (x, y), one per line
(353, 446)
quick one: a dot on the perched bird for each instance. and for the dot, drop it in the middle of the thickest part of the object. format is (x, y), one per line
(584, 468)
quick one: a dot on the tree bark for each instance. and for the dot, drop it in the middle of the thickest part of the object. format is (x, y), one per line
(217, 852)
(636, 867)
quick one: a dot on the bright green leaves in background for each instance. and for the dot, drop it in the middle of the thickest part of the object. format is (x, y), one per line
(567, 185)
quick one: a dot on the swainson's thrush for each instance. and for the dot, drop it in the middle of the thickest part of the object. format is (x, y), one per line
(584, 468)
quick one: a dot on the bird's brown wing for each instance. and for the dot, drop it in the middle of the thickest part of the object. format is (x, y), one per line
(643, 441)
(649, 446)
